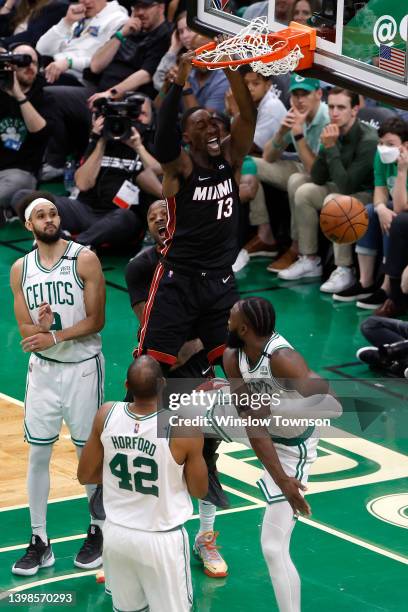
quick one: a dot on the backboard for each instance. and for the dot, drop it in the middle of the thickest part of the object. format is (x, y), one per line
(360, 45)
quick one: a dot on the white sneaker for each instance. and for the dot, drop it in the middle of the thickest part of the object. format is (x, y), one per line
(241, 261)
(205, 548)
(340, 279)
(304, 267)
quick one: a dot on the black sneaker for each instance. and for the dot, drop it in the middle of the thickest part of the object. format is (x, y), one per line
(371, 356)
(90, 554)
(353, 293)
(373, 301)
(37, 556)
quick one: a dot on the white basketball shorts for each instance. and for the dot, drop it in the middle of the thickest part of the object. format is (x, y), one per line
(147, 571)
(55, 391)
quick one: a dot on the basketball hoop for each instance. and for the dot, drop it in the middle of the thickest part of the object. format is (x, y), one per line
(267, 52)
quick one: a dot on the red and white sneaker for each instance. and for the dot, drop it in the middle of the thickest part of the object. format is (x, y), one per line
(205, 548)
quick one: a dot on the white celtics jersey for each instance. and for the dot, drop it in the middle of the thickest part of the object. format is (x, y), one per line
(63, 290)
(143, 486)
(261, 380)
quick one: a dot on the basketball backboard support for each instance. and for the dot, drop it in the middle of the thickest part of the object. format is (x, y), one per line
(360, 45)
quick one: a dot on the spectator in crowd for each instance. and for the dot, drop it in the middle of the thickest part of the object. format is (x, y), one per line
(72, 43)
(344, 165)
(260, 9)
(396, 303)
(205, 88)
(26, 21)
(108, 208)
(128, 61)
(182, 39)
(270, 110)
(383, 332)
(302, 10)
(74, 40)
(390, 198)
(301, 128)
(25, 113)
(270, 113)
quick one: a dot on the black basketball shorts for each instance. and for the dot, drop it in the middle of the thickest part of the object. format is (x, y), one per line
(184, 305)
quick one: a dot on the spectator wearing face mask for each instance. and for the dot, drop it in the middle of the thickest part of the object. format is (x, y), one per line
(390, 199)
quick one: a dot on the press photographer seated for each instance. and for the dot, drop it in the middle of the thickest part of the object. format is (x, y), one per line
(24, 123)
(117, 179)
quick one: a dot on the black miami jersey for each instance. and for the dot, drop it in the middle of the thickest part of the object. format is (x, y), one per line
(202, 230)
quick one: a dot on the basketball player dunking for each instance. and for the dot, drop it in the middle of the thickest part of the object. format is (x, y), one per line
(148, 476)
(59, 304)
(193, 287)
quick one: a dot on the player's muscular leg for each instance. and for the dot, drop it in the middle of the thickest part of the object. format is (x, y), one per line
(277, 529)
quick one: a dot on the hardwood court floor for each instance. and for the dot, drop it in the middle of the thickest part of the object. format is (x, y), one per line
(352, 552)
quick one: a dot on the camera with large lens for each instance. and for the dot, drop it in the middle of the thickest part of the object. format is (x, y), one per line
(8, 61)
(120, 116)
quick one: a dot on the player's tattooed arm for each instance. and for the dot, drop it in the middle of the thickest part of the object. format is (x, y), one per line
(26, 326)
(90, 272)
(260, 439)
(91, 460)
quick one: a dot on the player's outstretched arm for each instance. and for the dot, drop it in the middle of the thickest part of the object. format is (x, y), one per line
(91, 460)
(261, 442)
(243, 127)
(90, 272)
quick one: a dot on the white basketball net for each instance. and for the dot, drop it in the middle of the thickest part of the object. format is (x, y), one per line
(252, 41)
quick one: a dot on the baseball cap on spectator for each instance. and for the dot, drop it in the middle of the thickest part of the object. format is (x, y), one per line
(299, 82)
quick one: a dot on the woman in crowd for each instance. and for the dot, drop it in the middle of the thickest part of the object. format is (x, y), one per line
(26, 21)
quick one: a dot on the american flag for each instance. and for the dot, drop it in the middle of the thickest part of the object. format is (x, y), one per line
(220, 4)
(392, 60)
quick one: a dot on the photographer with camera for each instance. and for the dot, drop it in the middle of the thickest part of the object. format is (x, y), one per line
(116, 179)
(24, 123)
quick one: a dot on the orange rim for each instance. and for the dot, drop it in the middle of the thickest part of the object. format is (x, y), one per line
(267, 58)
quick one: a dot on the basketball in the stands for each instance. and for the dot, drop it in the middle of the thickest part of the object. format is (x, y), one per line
(344, 219)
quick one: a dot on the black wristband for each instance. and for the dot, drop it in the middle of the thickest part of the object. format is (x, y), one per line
(23, 101)
(299, 137)
(187, 92)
